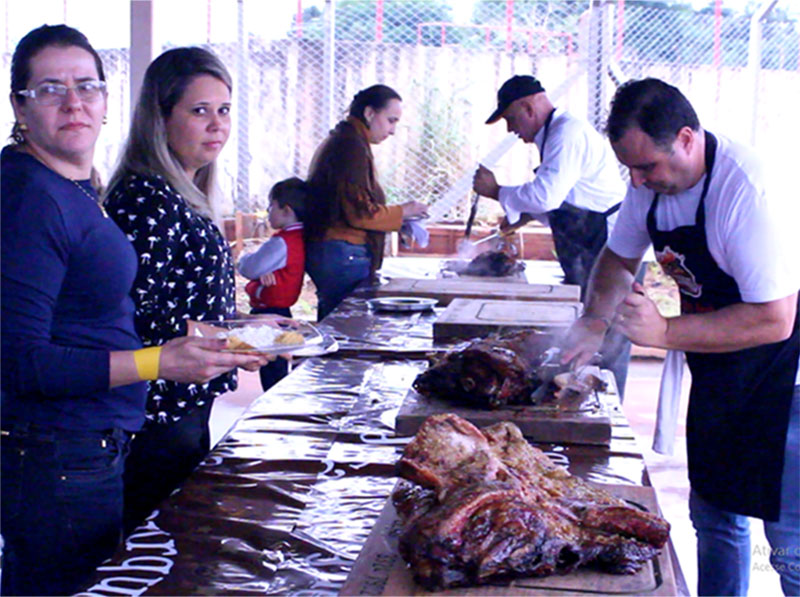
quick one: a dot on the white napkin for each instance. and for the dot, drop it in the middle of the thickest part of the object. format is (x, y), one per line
(669, 401)
(413, 229)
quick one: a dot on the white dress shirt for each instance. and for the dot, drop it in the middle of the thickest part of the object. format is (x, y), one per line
(578, 167)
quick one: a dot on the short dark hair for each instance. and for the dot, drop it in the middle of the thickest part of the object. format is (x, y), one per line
(657, 108)
(37, 40)
(293, 192)
(376, 97)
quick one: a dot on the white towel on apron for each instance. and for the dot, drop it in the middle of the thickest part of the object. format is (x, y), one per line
(669, 402)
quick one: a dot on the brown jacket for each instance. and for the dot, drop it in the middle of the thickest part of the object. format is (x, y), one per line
(349, 203)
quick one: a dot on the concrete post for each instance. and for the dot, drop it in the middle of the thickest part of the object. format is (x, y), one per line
(141, 48)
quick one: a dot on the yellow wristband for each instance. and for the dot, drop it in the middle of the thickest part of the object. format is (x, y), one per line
(146, 361)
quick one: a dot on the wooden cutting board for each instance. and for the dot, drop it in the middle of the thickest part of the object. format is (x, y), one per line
(516, 279)
(477, 318)
(447, 289)
(379, 569)
(589, 423)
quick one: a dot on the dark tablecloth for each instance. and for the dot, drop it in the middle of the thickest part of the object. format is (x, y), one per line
(286, 500)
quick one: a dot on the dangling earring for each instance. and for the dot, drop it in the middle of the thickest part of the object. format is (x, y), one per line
(16, 132)
(105, 119)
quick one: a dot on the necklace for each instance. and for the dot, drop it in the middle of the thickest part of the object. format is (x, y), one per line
(35, 154)
(89, 195)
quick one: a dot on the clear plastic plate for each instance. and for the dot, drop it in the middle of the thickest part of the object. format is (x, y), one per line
(267, 335)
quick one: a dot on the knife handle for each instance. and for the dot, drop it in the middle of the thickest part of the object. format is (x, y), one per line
(473, 210)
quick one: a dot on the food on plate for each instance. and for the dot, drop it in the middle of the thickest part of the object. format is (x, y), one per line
(496, 372)
(235, 343)
(253, 337)
(480, 506)
(290, 338)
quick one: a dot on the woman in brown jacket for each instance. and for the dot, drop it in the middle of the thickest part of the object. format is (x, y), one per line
(348, 217)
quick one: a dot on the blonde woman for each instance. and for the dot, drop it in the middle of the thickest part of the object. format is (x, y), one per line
(163, 197)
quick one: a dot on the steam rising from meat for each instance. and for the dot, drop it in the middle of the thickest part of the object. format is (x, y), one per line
(467, 249)
(493, 263)
(494, 372)
(486, 505)
(496, 262)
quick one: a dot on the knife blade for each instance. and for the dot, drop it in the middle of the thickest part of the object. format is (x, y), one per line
(504, 232)
(488, 238)
(547, 370)
(473, 210)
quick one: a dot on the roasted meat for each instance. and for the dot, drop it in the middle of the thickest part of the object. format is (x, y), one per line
(492, 372)
(493, 263)
(484, 505)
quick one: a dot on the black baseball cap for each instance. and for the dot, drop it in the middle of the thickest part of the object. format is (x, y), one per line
(516, 87)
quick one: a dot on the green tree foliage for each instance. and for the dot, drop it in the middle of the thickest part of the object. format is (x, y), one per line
(656, 31)
(549, 14)
(440, 148)
(781, 41)
(356, 21)
(546, 23)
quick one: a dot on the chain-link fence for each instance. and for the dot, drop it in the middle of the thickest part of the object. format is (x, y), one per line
(296, 66)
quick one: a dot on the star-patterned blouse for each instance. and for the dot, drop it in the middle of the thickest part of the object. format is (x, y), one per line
(185, 272)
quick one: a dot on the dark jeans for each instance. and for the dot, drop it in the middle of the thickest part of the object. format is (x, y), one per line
(162, 457)
(276, 370)
(616, 351)
(336, 268)
(723, 538)
(61, 506)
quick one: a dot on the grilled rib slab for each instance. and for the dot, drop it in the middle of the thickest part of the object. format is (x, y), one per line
(481, 505)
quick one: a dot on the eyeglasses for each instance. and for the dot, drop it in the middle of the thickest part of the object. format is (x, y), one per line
(52, 94)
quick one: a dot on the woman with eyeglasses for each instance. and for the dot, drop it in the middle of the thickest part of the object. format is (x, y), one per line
(164, 197)
(73, 367)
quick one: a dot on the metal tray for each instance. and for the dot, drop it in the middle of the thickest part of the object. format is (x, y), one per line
(402, 303)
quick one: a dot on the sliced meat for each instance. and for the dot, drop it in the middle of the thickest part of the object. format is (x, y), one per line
(487, 373)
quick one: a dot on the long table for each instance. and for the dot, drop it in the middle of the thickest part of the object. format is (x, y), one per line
(286, 500)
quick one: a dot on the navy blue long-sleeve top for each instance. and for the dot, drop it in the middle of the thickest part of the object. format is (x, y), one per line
(67, 272)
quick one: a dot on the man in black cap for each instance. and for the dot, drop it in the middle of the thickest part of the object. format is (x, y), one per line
(577, 184)
(576, 189)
